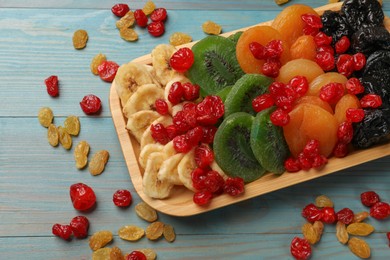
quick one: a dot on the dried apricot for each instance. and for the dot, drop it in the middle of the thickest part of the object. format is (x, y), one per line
(98, 162)
(299, 67)
(346, 102)
(80, 38)
(304, 48)
(96, 61)
(45, 116)
(314, 101)
(324, 79)
(211, 27)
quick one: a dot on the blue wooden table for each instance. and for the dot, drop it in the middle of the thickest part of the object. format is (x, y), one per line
(36, 42)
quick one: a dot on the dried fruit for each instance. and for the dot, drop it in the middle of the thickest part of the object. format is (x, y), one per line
(234, 186)
(319, 227)
(102, 254)
(149, 7)
(341, 232)
(369, 198)
(169, 233)
(300, 248)
(328, 215)
(90, 104)
(182, 60)
(64, 138)
(45, 116)
(361, 216)
(53, 135)
(345, 215)
(156, 28)
(380, 210)
(281, 2)
(80, 38)
(126, 21)
(323, 201)
(122, 198)
(116, 253)
(79, 226)
(146, 212)
(96, 61)
(311, 213)
(155, 230)
(100, 239)
(72, 125)
(98, 162)
(82, 196)
(52, 85)
(359, 247)
(120, 9)
(362, 13)
(107, 70)
(310, 233)
(159, 15)
(128, 34)
(81, 154)
(179, 38)
(360, 229)
(211, 27)
(149, 253)
(62, 231)
(131, 233)
(136, 255)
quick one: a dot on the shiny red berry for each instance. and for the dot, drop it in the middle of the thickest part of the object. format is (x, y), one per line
(345, 65)
(371, 101)
(198, 175)
(52, 85)
(82, 196)
(191, 91)
(340, 150)
(122, 198)
(136, 255)
(258, 50)
(79, 226)
(354, 86)
(274, 49)
(159, 133)
(300, 85)
(159, 15)
(210, 110)
(161, 106)
(328, 215)
(305, 162)
(319, 160)
(279, 117)
(208, 134)
(262, 102)
(182, 59)
(176, 93)
(107, 70)
(380, 210)
(140, 18)
(204, 156)
(359, 61)
(312, 148)
(322, 39)
(214, 182)
(369, 198)
(120, 9)
(312, 20)
(156, 28)
(202, 197)
(311, 213)
(292, 165)
(332, 92)
(62, 231)
(345, 215)
(271, 67)
(342, 45)
(91, 104)
(345, 132)
(234, 186)
(181, 144)
(355, 115)
(300, 248)
(325, 60)
(195, 135)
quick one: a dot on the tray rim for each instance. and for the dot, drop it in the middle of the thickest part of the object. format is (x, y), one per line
(175, 206)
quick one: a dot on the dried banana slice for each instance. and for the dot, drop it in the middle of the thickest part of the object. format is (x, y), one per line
(147, 135)
(143, 99)
(138, 122)
(152, 186)
(168, 170)
(161, 55)
(148, 150)
(169, 150)
(129, 77)
(215, 167)
(185, 167)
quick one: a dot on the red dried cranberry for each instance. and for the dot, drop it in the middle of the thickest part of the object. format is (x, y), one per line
(204, 156)
(328, 215)
(300, 248)
(319, 160)
(325, 60)
(176, 93)
(292, 165)
(369, 198)
(276, 89)
(191, 92)
(120, 9)
(202, 197)
(300, 85)
(354, 86)
(171, 131)
(332, 92)
(156, 28)
(194, 135)
(359, 61)
(280, 117)
(80, 226)
(345, 65)
(305, 162)
(91, 104)
(189, 106)
(312, 20)
(274, 49)
(355, 115)
(234, 186)
(182, 59)
(180, 122)
(159, 133)
(262, 102)
(312, 148)
(345, 132)
(82, 196)
(107, 70)
(307, 30)
(340, 150)
(258, 50)
(214, 182)
(210, 110)
(136, 255)
(62, 231)
(198, 175)
(345, 215)
(140, 18)
(342, 45)
(159, 15)
(122, 198)
(52, 85)
(311, 213)
(161, 106)
(322, 39)
(326, 48)
(181, 144)
(208, 134)
(271, 67)
(285, 102)
(380, 210)
(371, 101)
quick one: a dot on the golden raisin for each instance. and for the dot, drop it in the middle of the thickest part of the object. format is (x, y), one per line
(100, 239)
(80, 38)
(169, 233)
(210, 27)
(310, 233)
(96, 61)
(116, 254)
(149, 7)
(52, 135)
(281, 2)
(126, 21)
(81, 154)
(146, 212)
(45, 116)
(64, 138)
(131, 233)
(341, 232)
(179, 38)
(98, 162)
(128, 34)
(361, 216)
(72, 125)
(102, 254)
(323, 201)
(155, 230)
(360, 229)
(359, 247)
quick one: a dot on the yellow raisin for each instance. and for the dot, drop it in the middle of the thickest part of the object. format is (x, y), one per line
(310, 233)
(149, 253)
(131, 233)
(98, 162)
(146, 212)
(80, 38)
(45, 116)
(72, 125)
(149, 7)
(361, 216)
(102, 254)
(155, 230)
(64, 138)
(96, 61)
(281, 2)
(359, 247)
(126, 21)
(128, 34)
(210, 27)
(169, 233)
(100, 239)
(116, 254)
(341, 232)
(179, 38)
(52, 135)
(323, 201)
(360, 229)
(319, 227)
(81, 154)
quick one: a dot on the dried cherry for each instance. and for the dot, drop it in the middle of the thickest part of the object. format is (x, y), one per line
(90, 104)
(107, 70)
(79, 226)
(82, 196)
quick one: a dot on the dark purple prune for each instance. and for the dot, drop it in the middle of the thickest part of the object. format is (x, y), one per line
(378, 67)
(374, 129)
(368, 40)
(381, 88)
(363, 13)
(335, 25)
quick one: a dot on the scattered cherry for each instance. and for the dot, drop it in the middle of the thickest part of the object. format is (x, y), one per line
(195, 136)
(300, 248)
(312, 148)
(182, 59)
(82, 196)
(311, 213)
(359, 61)
(191, 91)
(380, 210)
(91, 104)
(271, 67)
(328, 215)
(300, 85)
(120, 9)
(140, 18)
(209, 110)
(176, 93)
(322, 39)
(214, 182)
(136, 255)
(159, 15)
(52, 85)
(62, 231)
(202, 197)
(340, 150)
(122, 198)
(234, 186)
(208, 134)
(79, 226)
(258, 50)
(325, 60)
(274, 49)
(107, 70)
(156, 28)
(345, 215)
(345, 132)
(181, 144)
(369, 198)
(332, 92)
(345, 65)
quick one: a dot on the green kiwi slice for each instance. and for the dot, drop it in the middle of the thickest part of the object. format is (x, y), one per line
(232, 149)
(268, 143)
(234, 37)
(244, 91)
(223, 93)
(215, 64)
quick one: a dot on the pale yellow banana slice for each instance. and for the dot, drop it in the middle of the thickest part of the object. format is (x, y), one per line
(152, 186)
(147, 135)
(143, 99)
(161, 55)
(129, 77)
(168, 170)
(138, 122)
(148, 150)
(169, 150)
(215, 167)
(185, 167)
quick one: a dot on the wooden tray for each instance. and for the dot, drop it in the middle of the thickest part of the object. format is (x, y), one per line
(181, 204)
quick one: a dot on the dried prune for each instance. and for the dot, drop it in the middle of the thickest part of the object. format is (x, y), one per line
(368, 40)
(363, 13)
(335, 25)
(374, 129)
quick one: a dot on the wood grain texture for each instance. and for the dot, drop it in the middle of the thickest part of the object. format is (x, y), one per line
(35, 42)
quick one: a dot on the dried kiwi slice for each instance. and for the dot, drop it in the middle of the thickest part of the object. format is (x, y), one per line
(232, 148)
(215, 64)
(244, 91)
(223, 93)
(268, 143)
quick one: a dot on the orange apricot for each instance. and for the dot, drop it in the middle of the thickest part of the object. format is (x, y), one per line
(304, 48)
(320, 81)
(289, 23)
(262, 35)
(299, 67)
(314, 101)
(307, 122)
(347, 101)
